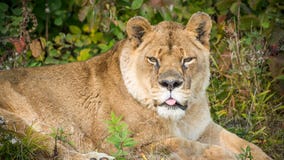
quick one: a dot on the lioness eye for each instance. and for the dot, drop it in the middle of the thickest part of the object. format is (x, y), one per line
(188, 61)
(152, 60)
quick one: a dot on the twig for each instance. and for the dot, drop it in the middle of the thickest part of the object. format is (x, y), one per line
(47, 11)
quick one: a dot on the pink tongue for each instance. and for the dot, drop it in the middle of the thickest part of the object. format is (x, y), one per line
(171, 102)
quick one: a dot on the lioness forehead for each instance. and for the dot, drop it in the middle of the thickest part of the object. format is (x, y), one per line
(169, 38)
(168, 32)
(167, 25)
(167, 35)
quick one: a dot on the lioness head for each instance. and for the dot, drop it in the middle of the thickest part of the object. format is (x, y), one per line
(166, 66)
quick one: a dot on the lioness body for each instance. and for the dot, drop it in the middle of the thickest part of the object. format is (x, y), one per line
(73, 97)
(155, 79)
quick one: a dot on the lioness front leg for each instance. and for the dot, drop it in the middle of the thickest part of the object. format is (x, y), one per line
(182, 149)
(215, 134)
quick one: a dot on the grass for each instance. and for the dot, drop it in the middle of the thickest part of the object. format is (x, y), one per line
(59, 135)
(241, 95)
(27, 146)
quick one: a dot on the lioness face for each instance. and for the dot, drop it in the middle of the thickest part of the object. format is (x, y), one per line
(167, 64)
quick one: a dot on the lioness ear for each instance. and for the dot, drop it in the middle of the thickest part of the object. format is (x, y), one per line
(136, 27)
(200, 24)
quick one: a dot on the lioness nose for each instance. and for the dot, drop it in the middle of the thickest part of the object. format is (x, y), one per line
(170, 84)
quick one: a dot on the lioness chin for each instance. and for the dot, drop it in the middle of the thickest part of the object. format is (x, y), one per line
(156, 79)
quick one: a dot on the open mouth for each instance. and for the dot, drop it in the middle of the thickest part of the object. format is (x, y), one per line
(173, 104)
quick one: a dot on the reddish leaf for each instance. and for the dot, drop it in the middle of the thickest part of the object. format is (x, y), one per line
(19, 44)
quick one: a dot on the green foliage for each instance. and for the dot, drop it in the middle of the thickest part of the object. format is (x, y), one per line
(240, 91)
(29, 146)
(119, 136)
(10, 20)
(136, 4)
(251, 13)
(246, 154)
(59, 135)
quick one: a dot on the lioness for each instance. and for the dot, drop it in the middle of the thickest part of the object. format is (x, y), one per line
(156, 79)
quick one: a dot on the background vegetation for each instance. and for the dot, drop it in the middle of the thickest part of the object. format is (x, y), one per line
(247, 43)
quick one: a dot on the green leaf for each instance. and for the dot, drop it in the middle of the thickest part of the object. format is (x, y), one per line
(210, 10)
(234, 8)
(279, 108)
(244, 115)
(74, 29)
(265, 24)
(97, 37)
(254, 4)
(70, 38)
(16, 20)
(84, 54)
(221, 113)
(281, 77)
(223, 5)
(121, 25)
(114, 140)
(66, 56)
(105, 47)
(17, 11)
(50, 60)
(118, 33)
(3, 7)
(86, 40)
(3, 30)
(34, 64)
(147, 12)
(54, 53)
(136, 4)
(58, 40)
(129, 142)
(79, 43)
(249, 21)
(119, 155)
(58, 21)
(54, 5)
(166, 14)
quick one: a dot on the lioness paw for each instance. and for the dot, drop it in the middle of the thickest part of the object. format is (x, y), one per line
(98, 156)
(104, 158)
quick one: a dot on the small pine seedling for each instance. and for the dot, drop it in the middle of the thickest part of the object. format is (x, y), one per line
(119, 136)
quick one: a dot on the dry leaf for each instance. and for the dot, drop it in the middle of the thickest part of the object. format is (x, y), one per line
(36, 48)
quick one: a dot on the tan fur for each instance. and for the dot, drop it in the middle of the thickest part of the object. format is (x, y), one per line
(156, 79)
